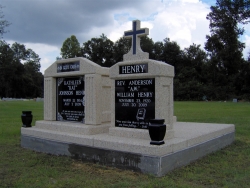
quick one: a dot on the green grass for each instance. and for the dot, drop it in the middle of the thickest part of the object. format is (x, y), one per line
(229, 167)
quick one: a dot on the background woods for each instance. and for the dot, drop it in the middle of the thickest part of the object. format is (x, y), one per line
(20, 75)
(198, 76)
(217, 72)
(19, 72)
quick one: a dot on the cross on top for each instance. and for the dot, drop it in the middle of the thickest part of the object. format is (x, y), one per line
(135, 34)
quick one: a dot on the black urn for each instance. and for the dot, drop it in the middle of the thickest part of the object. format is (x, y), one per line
(157, 131)
(26, 118)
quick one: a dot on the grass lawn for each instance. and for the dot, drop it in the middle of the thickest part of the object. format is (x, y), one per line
(229, 167)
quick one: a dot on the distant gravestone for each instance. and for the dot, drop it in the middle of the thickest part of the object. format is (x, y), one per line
(39, 99)
(235, 100)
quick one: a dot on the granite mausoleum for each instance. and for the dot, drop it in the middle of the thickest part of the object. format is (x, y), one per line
(102, 115)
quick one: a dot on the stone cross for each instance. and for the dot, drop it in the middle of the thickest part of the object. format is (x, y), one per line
(135, 34)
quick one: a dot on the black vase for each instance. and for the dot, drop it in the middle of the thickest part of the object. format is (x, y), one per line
(26, 118)
(157, 131)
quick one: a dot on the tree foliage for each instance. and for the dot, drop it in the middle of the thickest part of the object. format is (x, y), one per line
(121, 47)
(19, 72)
(71, 48)
(224, 46)
(190, 82)
(219, 73)
(198, 75)
(19, 68)
(99, 50)
(3, 23)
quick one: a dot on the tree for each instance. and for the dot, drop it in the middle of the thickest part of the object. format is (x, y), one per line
(33, 77)
(243, 84)
(71, 48)
(223, 45)
(99, 50)
(172, 54)
(158, 51)
(147, 45)
(121, 47)
(19, 68)
(6, 70)
(3, 23)
(190, 82)
(19, 71)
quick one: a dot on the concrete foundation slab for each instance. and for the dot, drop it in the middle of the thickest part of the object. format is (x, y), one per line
(190, 142)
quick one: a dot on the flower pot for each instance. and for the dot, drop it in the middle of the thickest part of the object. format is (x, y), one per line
(26, 118)
(157, 131)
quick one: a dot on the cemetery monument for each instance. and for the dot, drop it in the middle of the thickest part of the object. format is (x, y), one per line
(102, 115)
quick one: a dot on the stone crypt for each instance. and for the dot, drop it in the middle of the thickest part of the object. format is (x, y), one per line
(102, 115)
